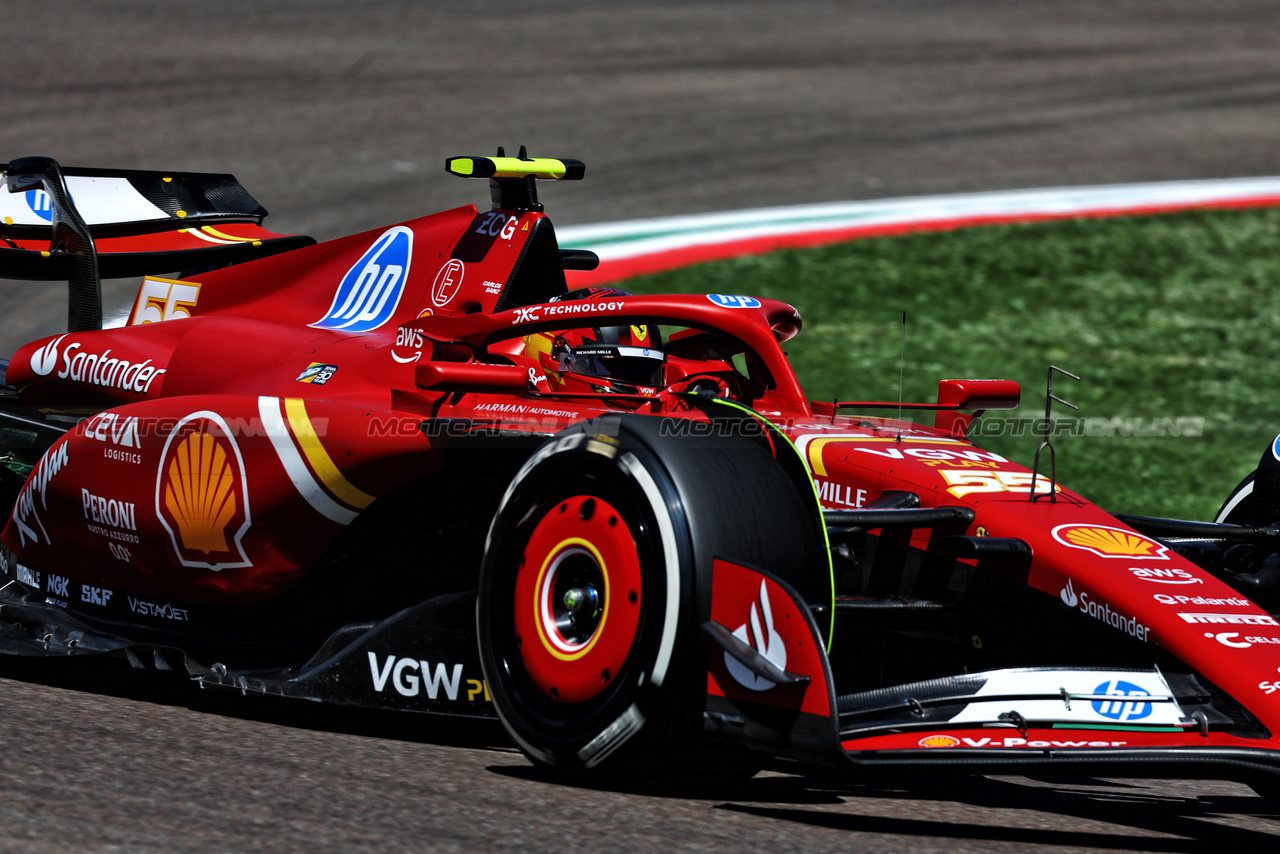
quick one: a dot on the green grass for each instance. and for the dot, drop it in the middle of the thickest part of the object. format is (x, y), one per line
(1170, 317)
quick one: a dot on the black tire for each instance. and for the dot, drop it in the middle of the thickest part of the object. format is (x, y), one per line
(619, 700)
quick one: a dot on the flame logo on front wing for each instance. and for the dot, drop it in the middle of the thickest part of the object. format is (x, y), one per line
(766, 641)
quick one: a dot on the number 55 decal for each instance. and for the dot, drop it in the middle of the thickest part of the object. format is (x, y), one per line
(963, 482)
(163, 299)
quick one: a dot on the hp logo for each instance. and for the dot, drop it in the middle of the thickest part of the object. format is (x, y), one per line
(371, 289)
(38, 201)
(733, 301)
(1122, 710)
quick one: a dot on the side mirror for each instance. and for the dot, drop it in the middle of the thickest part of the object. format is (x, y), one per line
(965, 400)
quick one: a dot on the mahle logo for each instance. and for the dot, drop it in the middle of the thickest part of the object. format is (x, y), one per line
(371, 290)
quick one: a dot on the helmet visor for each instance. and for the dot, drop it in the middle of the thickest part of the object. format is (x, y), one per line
(640, 366)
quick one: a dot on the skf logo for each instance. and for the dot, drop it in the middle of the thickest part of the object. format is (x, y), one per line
(447, 282)
(766, 641)
(370, 291)
(202, 498)
(525, 315)
(45, 359)
(1109, 542)
(939, 741)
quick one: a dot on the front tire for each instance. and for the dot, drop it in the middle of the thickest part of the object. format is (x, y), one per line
(596, 577)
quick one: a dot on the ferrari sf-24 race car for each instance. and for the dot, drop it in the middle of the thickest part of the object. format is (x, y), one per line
(414, 470)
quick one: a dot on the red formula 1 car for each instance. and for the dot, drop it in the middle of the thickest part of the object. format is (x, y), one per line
(414, 469)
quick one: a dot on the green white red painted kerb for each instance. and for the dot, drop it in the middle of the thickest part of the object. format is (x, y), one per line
(637, 247)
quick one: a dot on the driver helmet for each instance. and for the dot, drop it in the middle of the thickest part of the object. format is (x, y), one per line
(603, 359)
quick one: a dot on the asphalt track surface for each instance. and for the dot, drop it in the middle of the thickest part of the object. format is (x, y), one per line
(337, 116)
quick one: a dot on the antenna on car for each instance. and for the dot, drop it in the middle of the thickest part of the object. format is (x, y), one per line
(1049, 398)
(902, 369)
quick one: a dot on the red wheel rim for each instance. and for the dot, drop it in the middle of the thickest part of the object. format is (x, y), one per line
(577, 599)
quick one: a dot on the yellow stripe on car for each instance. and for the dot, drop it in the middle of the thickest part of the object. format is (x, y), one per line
(208, 229)
(319, 459)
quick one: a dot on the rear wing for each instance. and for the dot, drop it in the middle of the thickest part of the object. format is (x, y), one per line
(82, 225)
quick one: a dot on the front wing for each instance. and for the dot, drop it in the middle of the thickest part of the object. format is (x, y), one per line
(772, 690)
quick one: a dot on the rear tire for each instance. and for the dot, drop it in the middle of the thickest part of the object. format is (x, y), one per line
(625, 527)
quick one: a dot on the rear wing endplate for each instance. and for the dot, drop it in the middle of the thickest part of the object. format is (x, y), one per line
(81, 225)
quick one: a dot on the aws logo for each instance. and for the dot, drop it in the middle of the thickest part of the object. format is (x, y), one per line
(371, 290)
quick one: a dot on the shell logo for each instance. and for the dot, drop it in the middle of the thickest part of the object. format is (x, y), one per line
(1105, 541)
(201, 496)
(939, 741)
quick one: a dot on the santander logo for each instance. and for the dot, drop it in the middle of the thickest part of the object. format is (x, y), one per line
(766, 641)
(1068, 595)
(45, 359)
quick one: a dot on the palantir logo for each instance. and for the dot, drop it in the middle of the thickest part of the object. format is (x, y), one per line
(766, 641)
(372, 288)
(38, 201)
(45, 359)
(1122, 710)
